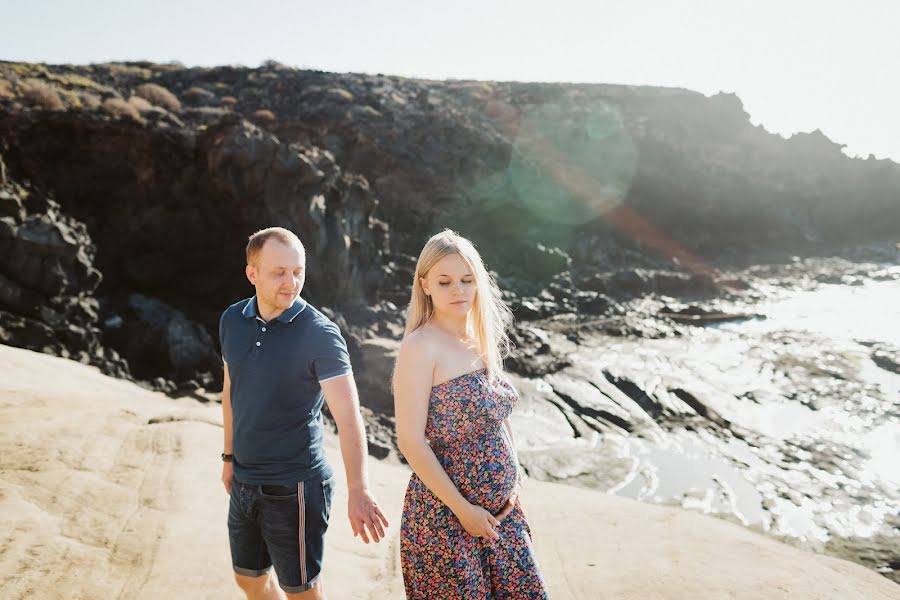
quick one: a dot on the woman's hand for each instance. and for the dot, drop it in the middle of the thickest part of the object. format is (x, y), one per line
(478, 522)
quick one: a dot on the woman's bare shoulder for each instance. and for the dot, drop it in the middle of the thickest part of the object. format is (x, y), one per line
(419, 346)
(421, 339)
(416, 361)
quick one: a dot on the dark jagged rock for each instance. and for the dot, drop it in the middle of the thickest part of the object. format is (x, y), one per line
(157, 338)
(373, 335)
(699, 315)
(887, 357)
(529, 309)
(594, 303)
(533, 353)
(639, 282)
(47, 281)
(172, 201)
(540, 175)
(303, 189)
(645, 402)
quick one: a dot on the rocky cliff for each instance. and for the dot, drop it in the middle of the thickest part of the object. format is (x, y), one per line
(579, 196)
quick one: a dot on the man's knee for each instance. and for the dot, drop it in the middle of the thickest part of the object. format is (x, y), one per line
(255, 585)
(316, 592)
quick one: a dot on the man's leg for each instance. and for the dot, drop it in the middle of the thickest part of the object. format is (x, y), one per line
(315, 593)
(263, 587)
(249, 555)
(293, 521)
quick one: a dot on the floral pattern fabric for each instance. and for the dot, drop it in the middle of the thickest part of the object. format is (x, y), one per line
(439, 559)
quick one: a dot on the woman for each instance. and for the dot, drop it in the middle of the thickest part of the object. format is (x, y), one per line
(463, 533)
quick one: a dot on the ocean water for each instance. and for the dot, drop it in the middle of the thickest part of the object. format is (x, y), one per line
(702, 472)
(850, 312)
(864, 313)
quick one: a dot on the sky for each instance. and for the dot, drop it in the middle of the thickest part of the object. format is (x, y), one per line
(797, 65)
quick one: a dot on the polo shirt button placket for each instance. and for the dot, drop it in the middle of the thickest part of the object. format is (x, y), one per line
(259, 338)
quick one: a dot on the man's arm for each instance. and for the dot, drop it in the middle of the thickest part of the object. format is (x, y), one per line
(343, 402)
(227, 445)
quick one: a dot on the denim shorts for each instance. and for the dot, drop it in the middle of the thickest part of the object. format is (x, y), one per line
(284, 527)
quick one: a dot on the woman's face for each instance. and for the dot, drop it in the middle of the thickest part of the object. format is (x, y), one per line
(451, 285)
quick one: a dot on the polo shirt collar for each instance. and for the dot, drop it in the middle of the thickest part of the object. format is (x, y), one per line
(290, 314)
(251, 310)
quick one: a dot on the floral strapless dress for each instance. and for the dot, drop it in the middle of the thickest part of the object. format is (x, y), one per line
(439, 559)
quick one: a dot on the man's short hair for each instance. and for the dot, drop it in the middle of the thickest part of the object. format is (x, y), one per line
(259, 239)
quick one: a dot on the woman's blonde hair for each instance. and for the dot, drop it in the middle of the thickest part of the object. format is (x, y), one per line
(490, 318)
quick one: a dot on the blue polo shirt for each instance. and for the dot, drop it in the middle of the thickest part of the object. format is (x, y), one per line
(275, 368)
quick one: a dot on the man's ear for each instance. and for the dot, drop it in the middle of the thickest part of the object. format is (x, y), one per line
(250, 271)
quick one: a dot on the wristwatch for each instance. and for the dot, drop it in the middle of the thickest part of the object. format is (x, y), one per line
(227, 457)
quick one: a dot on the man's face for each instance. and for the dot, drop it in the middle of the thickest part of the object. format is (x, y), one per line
(278, 274)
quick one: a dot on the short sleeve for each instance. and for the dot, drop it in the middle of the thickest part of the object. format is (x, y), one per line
(222, 335)
(330, 358)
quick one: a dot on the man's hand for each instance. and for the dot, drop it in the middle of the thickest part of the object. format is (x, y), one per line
(227, 473)
(365, 515)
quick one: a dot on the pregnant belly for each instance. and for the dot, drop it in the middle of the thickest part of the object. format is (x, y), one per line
(483, 472)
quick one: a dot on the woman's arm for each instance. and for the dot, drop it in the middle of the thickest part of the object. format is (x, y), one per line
(412, 390)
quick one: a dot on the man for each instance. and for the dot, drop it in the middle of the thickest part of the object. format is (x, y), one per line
(282, 359)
